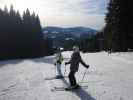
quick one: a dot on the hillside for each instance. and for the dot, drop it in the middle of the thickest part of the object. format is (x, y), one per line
(61, 35)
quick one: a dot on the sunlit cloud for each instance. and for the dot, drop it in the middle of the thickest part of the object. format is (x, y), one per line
(65, 13)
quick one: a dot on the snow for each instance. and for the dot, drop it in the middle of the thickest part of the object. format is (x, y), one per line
(109, 77)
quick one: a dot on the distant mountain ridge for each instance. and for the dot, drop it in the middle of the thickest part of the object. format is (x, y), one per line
(75, 31)
(59, 34)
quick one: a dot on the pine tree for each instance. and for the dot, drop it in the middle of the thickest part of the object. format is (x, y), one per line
(21, 36)
(116, 26)
(130, 24)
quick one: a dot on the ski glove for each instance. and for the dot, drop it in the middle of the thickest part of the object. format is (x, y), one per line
(87, 66)
(66, 63)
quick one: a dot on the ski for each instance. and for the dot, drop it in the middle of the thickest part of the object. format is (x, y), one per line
(56, 77)
(67, 89)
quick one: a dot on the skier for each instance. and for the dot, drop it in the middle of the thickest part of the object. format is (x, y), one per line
(74, 66)
(58, 62)
(109, 51)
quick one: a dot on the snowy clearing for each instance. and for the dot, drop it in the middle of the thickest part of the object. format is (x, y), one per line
(109, 77)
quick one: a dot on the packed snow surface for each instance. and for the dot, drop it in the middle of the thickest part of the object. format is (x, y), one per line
(110, 77)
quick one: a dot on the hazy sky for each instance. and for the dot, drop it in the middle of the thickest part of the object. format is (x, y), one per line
(65, 13)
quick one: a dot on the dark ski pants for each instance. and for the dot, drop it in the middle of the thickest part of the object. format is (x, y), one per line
(72, 78)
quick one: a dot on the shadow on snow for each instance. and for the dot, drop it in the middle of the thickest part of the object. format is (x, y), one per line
(81, 93)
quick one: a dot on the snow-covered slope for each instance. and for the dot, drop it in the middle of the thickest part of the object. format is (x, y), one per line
(110, 77)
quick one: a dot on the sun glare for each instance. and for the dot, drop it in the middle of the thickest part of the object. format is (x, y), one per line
(21, 5)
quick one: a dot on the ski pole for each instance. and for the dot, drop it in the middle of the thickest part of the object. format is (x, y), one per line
(65, 71)
(83, 76)
(55, 68)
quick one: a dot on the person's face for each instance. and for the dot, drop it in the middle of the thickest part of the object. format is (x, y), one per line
(75, 50)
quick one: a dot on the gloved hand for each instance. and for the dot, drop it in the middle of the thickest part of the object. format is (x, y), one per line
(65, 63)
(87, 66)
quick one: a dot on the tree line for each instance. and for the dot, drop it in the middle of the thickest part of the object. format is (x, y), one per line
(118, 32)
(87, 44)
(21, 35)
(117, 35)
